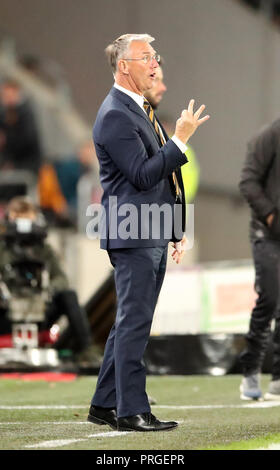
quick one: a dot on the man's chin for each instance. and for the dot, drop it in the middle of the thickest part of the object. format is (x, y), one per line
(151, 82)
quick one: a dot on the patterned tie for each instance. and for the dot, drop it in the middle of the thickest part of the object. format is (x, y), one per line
(149, 110)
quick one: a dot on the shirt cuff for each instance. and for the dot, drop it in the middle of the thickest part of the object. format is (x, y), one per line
(179, 144)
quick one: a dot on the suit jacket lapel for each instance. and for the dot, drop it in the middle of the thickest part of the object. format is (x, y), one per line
(133, 107)
(130, 103)
(177, 170)
(163, 130)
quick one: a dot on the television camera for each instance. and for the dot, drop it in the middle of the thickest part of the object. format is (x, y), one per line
(25, 294)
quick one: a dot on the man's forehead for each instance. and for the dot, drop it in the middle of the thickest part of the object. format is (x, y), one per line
(141, 47)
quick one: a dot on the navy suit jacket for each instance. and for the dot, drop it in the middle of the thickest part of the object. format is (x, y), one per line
(135, 170)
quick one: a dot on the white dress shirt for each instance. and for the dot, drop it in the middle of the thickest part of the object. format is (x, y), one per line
(139, 99)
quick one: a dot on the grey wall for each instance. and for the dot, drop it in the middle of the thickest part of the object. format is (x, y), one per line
(221, 228)
(72, 33)
(216, 51)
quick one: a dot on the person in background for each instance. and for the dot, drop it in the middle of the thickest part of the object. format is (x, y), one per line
(29, 245)
(58, 185)
(259, 184)
(70, 170)
(19, 137)
(190, 171)
(155, 94)
(51, 200)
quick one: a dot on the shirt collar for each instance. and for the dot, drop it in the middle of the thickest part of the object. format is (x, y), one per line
(139, 99)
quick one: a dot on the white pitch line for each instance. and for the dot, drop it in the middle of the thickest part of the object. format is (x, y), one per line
(45, 422)
(42, 407)
(65, 442)
(258, 404)
(58, 443)
(20, 423)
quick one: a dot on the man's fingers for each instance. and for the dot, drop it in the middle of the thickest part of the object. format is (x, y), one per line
(202, 120)
(190, 107)
(199, 111)
(177, 257)
(183, 113)
(178, 247)
(187, 112)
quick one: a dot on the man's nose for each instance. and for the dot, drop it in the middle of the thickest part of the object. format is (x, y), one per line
(154, 63)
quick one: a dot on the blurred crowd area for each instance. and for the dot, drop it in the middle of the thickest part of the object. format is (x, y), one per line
(46, 150)
(46, 154)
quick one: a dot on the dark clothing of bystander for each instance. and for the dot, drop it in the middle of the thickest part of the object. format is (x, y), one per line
(260, 186)
(21, 147)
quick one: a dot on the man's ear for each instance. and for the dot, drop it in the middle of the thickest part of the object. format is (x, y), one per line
(123, 67)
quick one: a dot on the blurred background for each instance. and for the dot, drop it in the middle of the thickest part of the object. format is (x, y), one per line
(224, 53)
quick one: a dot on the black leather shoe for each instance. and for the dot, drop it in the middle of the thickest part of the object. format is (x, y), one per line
(103, 416)
(144, 422)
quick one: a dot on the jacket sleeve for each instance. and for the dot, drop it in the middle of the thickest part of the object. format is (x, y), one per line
(122, 142)
(260, 154)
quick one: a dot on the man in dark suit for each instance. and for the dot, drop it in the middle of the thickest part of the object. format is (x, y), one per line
(140, 175)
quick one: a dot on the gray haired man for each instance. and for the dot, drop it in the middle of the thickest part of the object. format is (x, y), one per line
(139, 166)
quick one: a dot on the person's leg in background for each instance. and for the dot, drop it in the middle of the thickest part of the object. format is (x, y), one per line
(77, 336)
(274, 386)
(266, 260)
(66, 303)
(5, 323)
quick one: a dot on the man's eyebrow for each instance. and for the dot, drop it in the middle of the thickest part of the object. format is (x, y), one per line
(149, 53)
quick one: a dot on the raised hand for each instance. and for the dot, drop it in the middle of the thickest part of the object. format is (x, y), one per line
(189, 121)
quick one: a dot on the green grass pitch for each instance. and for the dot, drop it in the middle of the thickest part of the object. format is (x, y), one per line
(42, 415)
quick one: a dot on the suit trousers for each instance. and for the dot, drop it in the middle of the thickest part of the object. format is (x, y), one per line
(139, 273)
(266, 255)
